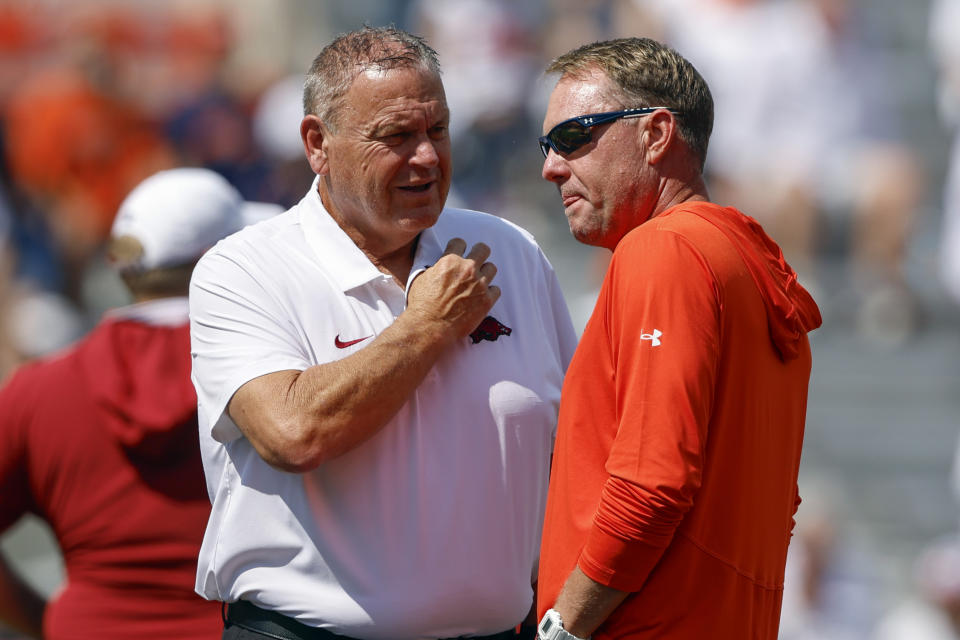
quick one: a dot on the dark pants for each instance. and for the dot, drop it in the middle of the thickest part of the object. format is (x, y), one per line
(233, 632)
(241, 618)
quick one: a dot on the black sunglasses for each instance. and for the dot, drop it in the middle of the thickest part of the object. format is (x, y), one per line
(570, 135)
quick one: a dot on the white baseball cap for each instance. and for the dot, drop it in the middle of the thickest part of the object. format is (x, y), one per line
(178, 214)
(253, 212)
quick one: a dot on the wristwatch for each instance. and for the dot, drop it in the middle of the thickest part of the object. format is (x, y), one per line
(551, 628)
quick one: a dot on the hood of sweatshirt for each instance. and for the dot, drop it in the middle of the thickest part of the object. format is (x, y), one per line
(791, 310)
(138, 375)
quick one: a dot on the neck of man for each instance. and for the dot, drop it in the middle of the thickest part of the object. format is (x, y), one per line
(396, 264)
(674, 192)
(394, 260)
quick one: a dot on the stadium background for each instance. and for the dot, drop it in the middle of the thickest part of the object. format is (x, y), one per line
(96, 95)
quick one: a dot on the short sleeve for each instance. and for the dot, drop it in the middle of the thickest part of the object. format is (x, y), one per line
(236, 335)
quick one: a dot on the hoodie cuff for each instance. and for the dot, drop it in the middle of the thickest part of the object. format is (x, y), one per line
(615, 563)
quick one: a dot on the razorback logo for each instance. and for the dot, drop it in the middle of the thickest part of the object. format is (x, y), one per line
(490, 329)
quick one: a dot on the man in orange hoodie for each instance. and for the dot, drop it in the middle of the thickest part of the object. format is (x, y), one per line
(674, 476)
(101, 440)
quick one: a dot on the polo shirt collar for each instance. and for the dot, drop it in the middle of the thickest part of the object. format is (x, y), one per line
(428, 250)
(333, 246)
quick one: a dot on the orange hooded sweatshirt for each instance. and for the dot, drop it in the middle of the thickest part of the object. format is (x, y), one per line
(681, 424)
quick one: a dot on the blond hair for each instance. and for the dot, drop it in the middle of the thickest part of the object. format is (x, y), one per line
(647, 73)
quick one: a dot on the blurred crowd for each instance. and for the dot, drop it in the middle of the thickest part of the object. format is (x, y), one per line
(809, 135)
(814, 135)
(94, 97)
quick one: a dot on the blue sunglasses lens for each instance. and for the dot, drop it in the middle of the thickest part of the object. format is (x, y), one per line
(566, 137)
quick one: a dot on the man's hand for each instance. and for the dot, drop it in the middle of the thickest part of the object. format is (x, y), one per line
(296, 420)
(455, 293)
(584, 605)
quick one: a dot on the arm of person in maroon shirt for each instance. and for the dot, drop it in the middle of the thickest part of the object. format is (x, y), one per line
(21, 606)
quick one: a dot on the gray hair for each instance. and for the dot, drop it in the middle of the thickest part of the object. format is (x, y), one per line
(647, 73)
(340, 62)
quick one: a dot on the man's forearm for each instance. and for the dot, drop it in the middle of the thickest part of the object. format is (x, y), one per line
(298, 419)
(585, 604)
(21, 606)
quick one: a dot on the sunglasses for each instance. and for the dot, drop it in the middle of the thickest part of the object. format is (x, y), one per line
(570, 135)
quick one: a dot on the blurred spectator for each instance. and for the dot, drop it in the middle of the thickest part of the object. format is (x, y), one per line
(75, 151)
(8, 357)
(571, 23)
(113, 465)
(869, 176)
(215, 131)
(763, 148)
(566, 24)
(944, 35)
(352, 14)
(934, 612)
(488, 52)
(276, 119)
(254, 212)
(35, 319)
(950, 234)
(97, 95)
(945, 43)
(276, 130)
(810, 139)
(831, 591)
(40, 322)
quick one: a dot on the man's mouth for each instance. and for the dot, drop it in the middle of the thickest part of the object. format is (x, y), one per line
(417, 188)
(569, 199)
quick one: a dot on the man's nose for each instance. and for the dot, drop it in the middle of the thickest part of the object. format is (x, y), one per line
(425, 153)
(555, 169)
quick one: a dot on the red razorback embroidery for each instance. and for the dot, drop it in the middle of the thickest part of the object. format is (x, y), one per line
(490, 329)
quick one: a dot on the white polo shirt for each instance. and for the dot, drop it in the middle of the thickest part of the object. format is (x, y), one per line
(429, 529)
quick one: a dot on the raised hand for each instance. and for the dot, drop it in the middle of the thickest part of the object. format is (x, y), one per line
(455, 293)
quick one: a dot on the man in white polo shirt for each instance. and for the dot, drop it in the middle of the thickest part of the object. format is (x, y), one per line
(376, 418)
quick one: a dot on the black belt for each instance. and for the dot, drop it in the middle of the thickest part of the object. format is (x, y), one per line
(276, 625)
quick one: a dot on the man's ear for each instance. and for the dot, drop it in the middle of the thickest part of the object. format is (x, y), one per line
(315, 136)
(660, 134)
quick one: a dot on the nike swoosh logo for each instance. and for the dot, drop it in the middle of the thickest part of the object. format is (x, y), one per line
(340, 344)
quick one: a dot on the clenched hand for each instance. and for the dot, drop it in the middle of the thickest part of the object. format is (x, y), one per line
(455, 294)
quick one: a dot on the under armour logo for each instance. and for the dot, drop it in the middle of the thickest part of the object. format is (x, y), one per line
(654, 337)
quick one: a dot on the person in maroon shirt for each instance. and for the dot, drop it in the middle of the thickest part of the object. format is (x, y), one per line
(100, 440)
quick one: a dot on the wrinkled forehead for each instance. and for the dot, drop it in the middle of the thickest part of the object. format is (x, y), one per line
(377, 91)
(376, 71)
